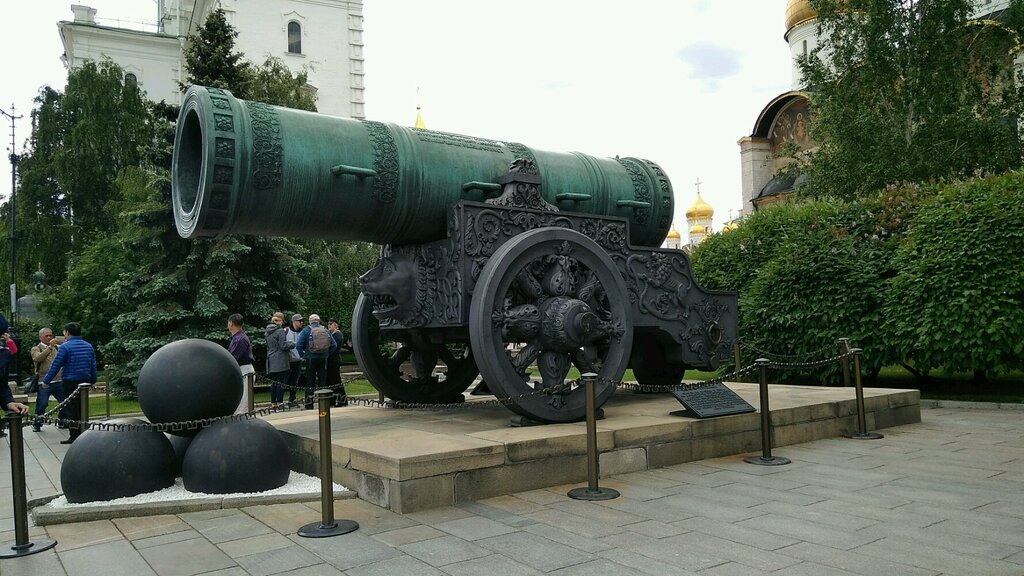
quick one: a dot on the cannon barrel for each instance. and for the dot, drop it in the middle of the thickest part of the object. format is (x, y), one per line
(244, 167)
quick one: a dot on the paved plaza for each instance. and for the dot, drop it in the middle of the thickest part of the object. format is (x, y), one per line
(945, 496)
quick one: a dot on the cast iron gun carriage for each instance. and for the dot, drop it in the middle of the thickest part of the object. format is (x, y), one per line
(496, 257)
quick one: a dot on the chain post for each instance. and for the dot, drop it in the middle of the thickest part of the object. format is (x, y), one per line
(844, 349)
(766, 458)
(250, 380)
(327, 526)
(83, 398)
(862, 421)
(22, 546)
(106, 388)
(737, 357)
(592, 491)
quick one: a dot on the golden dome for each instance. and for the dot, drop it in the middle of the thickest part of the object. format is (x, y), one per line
(673, 233)
(700, 209)
(697, 229)
(798, 11)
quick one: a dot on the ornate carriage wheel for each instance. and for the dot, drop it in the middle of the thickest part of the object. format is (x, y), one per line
(650, 367)
(383, 366)
(553, 296)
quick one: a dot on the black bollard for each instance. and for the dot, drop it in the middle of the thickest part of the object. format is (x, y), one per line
(844, 349)
(862, 420)
(327, 526)
(592, 491)
(737, 357)
(250, 378)
(766, 458)
(21, 546)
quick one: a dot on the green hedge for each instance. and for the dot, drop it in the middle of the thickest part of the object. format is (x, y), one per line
(926, 275)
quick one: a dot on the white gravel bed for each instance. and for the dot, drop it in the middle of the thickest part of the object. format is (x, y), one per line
(298, 483)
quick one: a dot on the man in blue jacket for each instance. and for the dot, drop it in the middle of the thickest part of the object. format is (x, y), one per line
(315, 345)
(77, 359)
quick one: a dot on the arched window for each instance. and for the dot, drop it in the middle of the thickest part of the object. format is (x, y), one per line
(294, 38)
(131, 79)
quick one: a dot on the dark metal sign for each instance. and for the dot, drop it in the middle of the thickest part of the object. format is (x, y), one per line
(710, 401)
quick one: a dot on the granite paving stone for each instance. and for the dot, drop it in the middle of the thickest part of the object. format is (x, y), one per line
(535, 551)
(736, 533)
(347, 551)
(493, 564)
(42, 564)
(408, 535)
(107, 559)
(640, 564)
(228, 527)
(474, 528)
(255, 545)
(143, 543)
(808, 531)
(938, 559)
(444, 550)
(186, 558)
(400, 566)
(146, 526)
(862, 564)
(572, 539)
(599, 567)
(277, 560)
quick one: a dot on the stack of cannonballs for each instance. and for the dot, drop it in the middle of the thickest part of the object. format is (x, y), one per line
(183, 381)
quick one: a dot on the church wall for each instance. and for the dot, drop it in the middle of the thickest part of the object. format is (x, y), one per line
(332, 44)
(755, 166)
(154, 60)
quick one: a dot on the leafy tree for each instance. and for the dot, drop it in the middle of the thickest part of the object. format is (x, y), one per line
(274, 83)
(956, 302)
(333, 277)
(909, 90)
(80, 140)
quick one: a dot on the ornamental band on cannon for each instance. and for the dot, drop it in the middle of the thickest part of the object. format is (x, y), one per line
(494, 257)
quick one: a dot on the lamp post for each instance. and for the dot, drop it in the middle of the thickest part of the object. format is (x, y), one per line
(13, 157)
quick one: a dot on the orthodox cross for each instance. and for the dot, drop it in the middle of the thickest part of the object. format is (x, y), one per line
(698, 183)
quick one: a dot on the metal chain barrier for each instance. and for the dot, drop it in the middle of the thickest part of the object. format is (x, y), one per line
(770, 355)
(45, 417)
(812, 364)
(568, 386)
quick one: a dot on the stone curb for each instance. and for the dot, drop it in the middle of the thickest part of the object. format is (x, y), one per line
(48, 516)
(930, 403)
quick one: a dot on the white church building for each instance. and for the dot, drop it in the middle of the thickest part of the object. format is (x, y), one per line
(323, 37)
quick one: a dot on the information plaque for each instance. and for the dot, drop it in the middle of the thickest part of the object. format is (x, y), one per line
(710, 401)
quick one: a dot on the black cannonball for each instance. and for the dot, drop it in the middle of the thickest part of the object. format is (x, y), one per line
(180, 445)
(103, 465)
(189, 380)
(236, 456)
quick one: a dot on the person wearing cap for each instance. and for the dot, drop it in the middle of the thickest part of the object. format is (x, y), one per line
(278, 356)
(307, 344)
(294, 360)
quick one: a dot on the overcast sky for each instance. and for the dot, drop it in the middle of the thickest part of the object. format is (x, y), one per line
(674, 81)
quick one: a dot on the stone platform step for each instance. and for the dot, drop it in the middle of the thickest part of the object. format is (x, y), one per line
(407, 460)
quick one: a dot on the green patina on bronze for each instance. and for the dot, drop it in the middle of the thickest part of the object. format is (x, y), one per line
(248, 168)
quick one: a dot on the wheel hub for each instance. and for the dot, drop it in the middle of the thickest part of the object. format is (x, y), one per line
(567, 324)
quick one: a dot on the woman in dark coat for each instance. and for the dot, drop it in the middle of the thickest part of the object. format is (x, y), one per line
(278, 366)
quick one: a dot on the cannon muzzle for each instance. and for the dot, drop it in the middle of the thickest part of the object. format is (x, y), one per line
(248, 168)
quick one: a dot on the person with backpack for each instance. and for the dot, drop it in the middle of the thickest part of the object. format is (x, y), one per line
(315, 345)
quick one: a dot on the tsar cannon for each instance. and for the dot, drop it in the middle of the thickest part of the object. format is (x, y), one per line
(497, 259)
